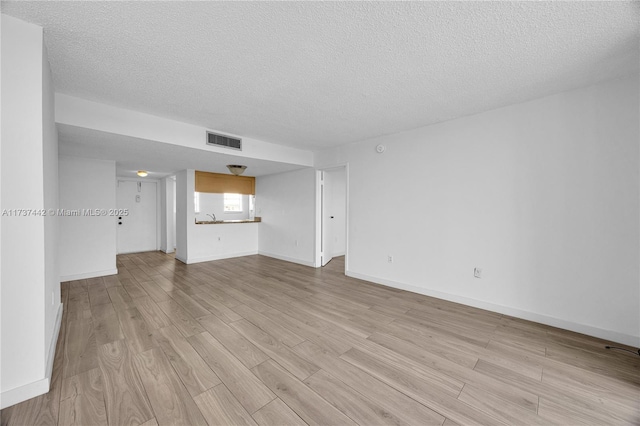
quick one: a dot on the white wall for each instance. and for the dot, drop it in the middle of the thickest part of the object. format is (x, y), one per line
(184, 199)
(167, 214)
(202, 243)
(214, 203)
(30, 306)
(221, 241)
(173, 222)
(87, 243)
(542, 195)
(287, 202)
(51, 195)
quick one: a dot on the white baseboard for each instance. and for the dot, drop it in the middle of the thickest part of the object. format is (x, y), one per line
(22, 393)
(92, 274)
(589, 330)
(54, 341)
(191, 260)
(288, 259)
(39, 387)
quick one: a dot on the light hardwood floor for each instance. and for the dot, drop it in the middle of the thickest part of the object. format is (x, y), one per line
(255, 340)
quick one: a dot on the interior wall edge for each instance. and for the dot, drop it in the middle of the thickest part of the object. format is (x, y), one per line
(54, 341)
(90, 274)
(287, 259)
(39, 387)
(191, 260)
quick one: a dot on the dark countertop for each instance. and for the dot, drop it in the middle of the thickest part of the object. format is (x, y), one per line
(222, 222)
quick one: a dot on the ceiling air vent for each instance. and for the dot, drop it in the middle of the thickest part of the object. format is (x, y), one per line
(224, 141)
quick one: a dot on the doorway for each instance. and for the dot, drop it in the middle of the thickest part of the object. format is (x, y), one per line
(332, 214)
(137, 231)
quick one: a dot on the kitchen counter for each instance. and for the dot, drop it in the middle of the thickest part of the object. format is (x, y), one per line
(222, 222)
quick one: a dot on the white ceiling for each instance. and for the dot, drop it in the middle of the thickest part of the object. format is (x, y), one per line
(320, 74)
(160, 159)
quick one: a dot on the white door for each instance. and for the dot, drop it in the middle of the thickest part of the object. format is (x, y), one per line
(325, 196)
(338, 213)
(334, 210)
(137, 231)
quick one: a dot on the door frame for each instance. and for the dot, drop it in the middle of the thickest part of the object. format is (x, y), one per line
(319, 213)
(158, 203)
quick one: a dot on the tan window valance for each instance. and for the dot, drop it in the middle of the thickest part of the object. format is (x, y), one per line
(221, 183)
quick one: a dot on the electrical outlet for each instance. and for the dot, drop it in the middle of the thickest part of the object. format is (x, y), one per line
(477, 272)
(390, 259)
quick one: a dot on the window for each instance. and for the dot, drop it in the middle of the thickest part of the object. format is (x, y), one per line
(233, 203)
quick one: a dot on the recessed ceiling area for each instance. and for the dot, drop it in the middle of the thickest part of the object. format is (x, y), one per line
(159, 159)
(315, 75)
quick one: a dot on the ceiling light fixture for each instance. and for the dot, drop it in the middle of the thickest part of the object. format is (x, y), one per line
(142, 173)
(236, 169)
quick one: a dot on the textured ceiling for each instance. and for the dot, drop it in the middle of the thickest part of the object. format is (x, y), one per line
(320, 74)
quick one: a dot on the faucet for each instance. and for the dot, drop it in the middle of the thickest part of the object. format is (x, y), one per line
(213, 216)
